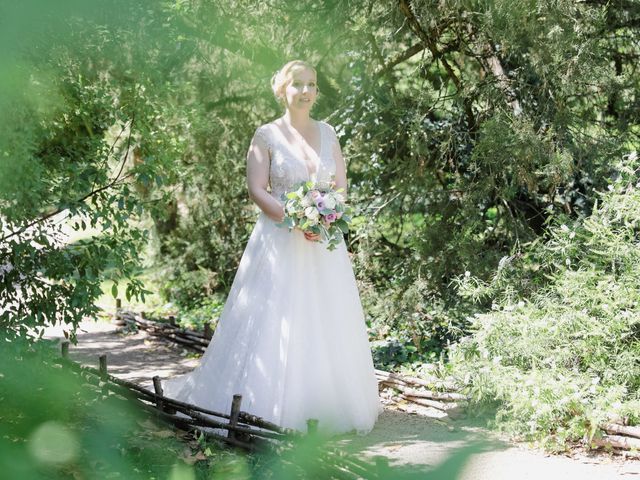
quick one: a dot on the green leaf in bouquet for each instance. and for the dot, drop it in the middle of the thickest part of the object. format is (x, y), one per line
(287, 222)
(332, 244)
(342, 225)
(346, 218)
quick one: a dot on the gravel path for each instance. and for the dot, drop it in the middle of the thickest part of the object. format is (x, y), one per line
(414, 442)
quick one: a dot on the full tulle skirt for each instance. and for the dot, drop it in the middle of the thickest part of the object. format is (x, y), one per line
(291, 339)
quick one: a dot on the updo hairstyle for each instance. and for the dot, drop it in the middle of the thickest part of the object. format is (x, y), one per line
(283, 77)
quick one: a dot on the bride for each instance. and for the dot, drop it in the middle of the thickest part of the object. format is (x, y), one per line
(291, 338)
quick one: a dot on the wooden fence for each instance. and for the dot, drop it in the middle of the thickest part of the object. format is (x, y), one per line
(614, 435)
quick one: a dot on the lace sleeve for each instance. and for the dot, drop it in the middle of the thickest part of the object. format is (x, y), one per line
(262, 135)
(336, 150)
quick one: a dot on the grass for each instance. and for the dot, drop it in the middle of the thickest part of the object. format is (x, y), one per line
(152, 301)
(147, 274)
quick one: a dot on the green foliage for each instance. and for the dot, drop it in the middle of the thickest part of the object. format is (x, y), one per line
(188, 289)
(208, 312)
(82, 141)
(55, 426)
(458, 167)
(564, 358)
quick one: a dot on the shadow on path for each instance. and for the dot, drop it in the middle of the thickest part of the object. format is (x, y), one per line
(136, 357)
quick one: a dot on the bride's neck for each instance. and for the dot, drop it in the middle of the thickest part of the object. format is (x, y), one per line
(299, 120)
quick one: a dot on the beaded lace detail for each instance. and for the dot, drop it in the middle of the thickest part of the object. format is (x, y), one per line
(287, 167)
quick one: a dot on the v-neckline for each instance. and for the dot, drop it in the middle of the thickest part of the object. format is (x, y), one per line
(318, 153)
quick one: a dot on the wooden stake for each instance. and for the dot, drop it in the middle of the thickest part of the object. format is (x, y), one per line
(312, 426)
(382, 465)
(172, 320)
(117, 316)
(157, 387)
(103, 366)
(207, 330)
(235, 413)
(65, 349)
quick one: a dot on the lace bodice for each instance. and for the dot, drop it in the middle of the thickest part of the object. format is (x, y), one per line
(287, 167)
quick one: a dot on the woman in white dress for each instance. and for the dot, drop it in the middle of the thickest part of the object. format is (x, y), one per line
(291, 338)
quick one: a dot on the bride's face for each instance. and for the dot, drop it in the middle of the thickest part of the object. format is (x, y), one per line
(302, 90)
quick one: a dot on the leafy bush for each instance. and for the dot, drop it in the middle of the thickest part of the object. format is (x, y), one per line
(564, 359)
(55, 426)
(208, 311)
(187, 288)
(89, 136)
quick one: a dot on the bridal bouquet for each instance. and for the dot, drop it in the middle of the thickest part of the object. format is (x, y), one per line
(318, 208)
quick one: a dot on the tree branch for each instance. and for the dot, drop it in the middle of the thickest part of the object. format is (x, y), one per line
(428, 40)
(407, 54)
(81, 199)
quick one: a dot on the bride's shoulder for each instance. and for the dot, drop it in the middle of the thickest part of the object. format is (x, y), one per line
(267, 129)
(265, 126)
(264, 134)
(327, 126)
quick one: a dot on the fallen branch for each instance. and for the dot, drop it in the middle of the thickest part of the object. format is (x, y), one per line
(408, 380)
(439, 396)
(617, 441)
(614, 428)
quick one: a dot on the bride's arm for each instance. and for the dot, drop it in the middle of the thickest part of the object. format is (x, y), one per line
(258, 179)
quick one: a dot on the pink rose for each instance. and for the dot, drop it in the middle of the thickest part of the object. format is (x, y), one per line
(331, 217)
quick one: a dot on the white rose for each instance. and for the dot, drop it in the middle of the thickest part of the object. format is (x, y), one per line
(329, 202)
(312, 213)
(291, 208)
(306, 201)
(339, 197)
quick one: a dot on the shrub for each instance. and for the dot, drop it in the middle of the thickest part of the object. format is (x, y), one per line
(566, 358)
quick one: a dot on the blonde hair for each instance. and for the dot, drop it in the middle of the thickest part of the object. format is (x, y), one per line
(283, 77)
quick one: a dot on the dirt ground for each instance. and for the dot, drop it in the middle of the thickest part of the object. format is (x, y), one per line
(418, 443)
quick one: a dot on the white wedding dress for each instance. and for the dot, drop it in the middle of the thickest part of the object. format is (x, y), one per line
(291, 338)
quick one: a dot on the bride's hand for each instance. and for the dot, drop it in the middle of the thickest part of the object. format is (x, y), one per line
(313, 237)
